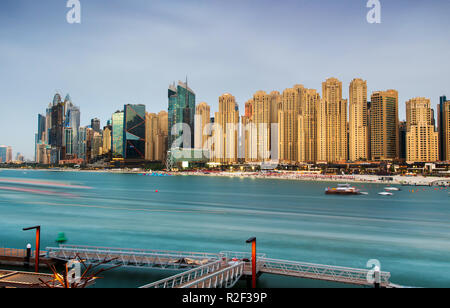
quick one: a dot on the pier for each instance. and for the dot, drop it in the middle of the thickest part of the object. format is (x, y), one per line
(216, 270)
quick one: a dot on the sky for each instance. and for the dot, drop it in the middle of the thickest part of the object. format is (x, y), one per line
(128, 52)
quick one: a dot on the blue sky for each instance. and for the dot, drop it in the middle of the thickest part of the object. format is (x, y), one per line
(129, 51)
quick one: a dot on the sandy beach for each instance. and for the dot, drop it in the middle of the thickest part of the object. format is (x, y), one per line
(292, 175)
(398, 180)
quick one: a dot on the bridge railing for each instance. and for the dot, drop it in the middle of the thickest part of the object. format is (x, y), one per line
(224, 278)
(185, 277)
(134, 258)
(143, 251)
(323, 272)
(19, 253)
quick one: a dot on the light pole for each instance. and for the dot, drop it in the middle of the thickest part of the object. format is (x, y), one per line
(252, 240)
(38, 243)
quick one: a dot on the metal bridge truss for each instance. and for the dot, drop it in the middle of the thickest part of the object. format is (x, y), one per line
(323, 272)
(224, 278)
(214, 275)
(160, 259)
(180, 279)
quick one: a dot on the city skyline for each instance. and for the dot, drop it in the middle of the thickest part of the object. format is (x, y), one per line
(104, 64)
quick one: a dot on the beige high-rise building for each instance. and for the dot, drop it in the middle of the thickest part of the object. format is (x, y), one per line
(151, 128)
(384, 123)
(226, 128)
(445, 130)
(262, 119)
(422, 139)
(332, 123)
(307, 126)
(162, 136)
(249, 133)
(202, 121)
(358, 121)
(288, 124)
(106, 147)
(276, 103)
(156, 132)
(97, 143)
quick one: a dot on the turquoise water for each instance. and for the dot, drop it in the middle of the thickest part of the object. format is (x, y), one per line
(409, 233)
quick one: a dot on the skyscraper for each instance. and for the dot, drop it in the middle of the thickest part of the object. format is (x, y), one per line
(262, 119)
(134, 132)
(358, 121)
(95, 124)
(3, 150)
(151, 129)
(117, 134)
(422, 140)
(444, 128)
(249, 134)
(384, 125)
(57, 129)
(181, 111)
(226, 130)
(307, 126)
(202, 120)
(441, 128)
(72, 121)
(288, 124)
(161, 136)
(41, 128)
(402, 140)
(9, 154)
(106, 142)
(332, 123)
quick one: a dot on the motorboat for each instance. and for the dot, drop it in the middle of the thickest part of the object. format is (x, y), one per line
(342, 189)
(392, 189)
(385, 193)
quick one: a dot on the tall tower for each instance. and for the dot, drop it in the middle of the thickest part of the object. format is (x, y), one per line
(202, 119)
(262, 120)
(151, 129)
(358, 121)
(249, 133)
(384, 125)
(226, 130)
(332, 123)
(134, 132)
(288, 124)
(441, 128)
(181, 111)
(422, 140)
(446, 130)
(307, 127)
(117, 135)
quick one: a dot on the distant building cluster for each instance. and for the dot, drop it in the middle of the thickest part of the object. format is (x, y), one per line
(5, 154)
(296, 126)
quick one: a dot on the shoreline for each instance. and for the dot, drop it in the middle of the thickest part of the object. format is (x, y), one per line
(294, 176)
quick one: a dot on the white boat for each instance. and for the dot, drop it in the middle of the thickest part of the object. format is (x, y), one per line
(385, 194)
(392, 189)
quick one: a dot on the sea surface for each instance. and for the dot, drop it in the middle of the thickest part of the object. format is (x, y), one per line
(409, 233)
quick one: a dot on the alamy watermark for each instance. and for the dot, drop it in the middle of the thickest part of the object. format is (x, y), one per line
(74, 14)
(374, 15)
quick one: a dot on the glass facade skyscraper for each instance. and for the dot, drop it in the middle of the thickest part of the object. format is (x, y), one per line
(95, 125)
(134, 132)
(3, 151)
(181, 110)
(117, 135)
(41, 127)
